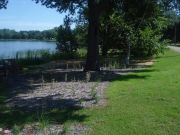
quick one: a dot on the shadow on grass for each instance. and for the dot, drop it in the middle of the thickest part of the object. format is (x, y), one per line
(168, 56)
(130, 77)
(54, 110)
(11, 116)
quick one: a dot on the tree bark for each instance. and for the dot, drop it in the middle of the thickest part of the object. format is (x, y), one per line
(92, 62)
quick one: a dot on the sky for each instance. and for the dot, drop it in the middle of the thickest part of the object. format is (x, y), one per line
(27, 15)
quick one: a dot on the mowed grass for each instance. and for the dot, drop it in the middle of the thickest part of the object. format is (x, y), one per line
(143, 103)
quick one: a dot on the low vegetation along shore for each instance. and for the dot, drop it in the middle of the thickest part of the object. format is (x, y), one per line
(137, 101)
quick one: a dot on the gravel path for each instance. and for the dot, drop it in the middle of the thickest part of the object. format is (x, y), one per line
(175, 48)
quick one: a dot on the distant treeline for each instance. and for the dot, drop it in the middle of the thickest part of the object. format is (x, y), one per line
(33, 34)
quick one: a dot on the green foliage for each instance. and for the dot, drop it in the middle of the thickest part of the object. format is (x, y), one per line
(149, 39)
(145, 40)
(38, 35)
(81, 33)
(140, 12)
(65, 129)
(37, 57)
(43, 123)
(115, 33)
(66, 42)
(148, 43)
(63, 6)
(33, 57)
(16, 130)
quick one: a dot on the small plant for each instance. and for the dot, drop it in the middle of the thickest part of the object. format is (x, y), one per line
(81, 101)
(74, 79)
(16, 130)
(65, 77)
(94, 93)
(65, 129)
(88, 76)
(43, 124)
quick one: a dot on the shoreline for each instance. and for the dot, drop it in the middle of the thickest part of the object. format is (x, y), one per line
(27, 40)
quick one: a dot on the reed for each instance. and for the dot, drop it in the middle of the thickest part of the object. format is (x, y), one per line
(33, 57)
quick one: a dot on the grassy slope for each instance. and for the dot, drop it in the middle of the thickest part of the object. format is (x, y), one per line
(145, 103)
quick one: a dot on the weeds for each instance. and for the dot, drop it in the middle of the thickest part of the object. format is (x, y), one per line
(94, 93)
(16, 130)
(64, 129)
(43, 124)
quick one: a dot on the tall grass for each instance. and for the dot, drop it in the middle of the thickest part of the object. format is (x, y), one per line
(32, 54)
(36, 57)
(33, 57)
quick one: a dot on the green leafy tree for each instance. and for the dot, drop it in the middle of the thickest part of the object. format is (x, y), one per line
(116, 34)
(65, 38)
(95, 9)
(134, 30)
(39, 35)
(80, 33)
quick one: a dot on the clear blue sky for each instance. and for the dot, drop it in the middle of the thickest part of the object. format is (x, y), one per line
(27, 15)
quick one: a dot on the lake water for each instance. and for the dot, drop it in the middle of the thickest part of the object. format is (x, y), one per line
(8, 49)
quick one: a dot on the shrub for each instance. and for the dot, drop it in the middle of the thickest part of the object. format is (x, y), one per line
(147, 43)
(66, 42)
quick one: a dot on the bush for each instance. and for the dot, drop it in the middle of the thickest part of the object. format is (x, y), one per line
(144, 41)
(66, 42)
(115, 34)
(147, 43)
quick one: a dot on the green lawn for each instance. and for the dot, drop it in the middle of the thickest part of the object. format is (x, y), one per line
(144, 103)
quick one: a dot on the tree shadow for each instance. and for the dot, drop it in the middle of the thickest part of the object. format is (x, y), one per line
(30, 82)
(130, 77)
(23, 111)
(30, 110)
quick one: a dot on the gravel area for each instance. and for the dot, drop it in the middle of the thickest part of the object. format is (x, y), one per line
(74, 129)
(35, 129)
(60, 95)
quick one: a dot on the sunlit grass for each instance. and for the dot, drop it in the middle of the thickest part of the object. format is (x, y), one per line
(145, 103)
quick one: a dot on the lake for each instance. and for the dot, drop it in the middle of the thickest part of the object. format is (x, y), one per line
(8, 49)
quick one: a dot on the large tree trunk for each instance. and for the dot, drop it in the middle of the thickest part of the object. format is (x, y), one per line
(92, 62)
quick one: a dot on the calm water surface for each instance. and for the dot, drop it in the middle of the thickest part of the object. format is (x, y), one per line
(8, 49)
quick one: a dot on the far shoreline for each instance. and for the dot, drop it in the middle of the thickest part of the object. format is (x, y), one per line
(27, 40)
